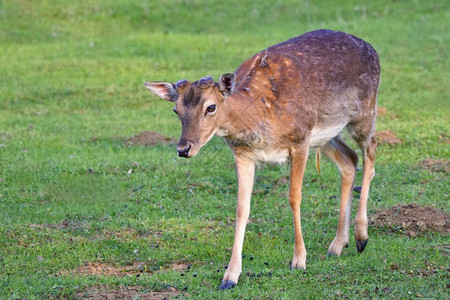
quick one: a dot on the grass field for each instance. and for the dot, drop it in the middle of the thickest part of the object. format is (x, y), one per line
(80, 211)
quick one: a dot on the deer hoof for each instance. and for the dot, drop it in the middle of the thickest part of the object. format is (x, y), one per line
(361, 245)
(291, 265)
(331, 253)
(227, 284)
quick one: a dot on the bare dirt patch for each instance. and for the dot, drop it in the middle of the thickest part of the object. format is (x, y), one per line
(413, 219)
(387, 137)
(384, 112)
(148, 138)
(105, 269)
(178, 266)
(144, 138)
(381, 111)
(107, 292)
(435, 165)
(136, 269)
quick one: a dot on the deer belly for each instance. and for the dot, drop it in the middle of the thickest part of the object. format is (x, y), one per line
(271, 155)
(322, 135)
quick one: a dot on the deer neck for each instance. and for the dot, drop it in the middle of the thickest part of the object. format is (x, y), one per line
(239, 120)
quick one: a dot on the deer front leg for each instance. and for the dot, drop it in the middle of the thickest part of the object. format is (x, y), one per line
(245, 169)
(298, 157)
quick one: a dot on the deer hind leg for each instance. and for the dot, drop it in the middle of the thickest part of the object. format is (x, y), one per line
(346, 161)
(298, 157)
(363, 135)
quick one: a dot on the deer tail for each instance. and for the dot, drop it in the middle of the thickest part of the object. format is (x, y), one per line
(318, 160)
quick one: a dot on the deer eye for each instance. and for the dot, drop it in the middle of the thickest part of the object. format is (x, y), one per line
(175, 111)
(211, 108)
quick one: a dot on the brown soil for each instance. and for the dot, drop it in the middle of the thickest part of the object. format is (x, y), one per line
(148, 138)
(107, 292)
(179, 266)
(107, 269)
(144, 138)
(387, 137)
(413, 219)
(435, 165)
(381, 111)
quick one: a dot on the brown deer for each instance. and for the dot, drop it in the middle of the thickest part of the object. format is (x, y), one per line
(284, 100)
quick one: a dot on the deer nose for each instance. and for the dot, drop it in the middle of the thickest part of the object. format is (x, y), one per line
(184, 152)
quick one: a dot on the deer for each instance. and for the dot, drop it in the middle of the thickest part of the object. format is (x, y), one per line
(285, 100)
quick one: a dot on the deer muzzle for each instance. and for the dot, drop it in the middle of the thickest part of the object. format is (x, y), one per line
(184, 148)
(184, 152)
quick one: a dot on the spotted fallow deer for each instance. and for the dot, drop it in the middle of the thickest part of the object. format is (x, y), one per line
(279, 103)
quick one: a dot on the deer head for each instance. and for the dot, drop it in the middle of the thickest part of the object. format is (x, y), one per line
(198, 106)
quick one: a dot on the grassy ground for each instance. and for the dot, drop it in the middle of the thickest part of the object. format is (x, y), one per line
(73, 70)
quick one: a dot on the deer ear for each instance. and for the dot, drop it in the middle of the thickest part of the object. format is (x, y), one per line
(163, 90)
(227, 83)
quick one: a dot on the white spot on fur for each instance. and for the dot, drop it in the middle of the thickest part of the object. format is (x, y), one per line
(222, 132)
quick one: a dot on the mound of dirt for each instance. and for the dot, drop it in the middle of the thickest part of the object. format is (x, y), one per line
(413, 219)
(435, 165)
(387, 137)
(148, 138)
(107, 292)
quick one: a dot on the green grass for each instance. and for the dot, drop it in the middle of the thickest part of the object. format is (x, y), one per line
(72, 70)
